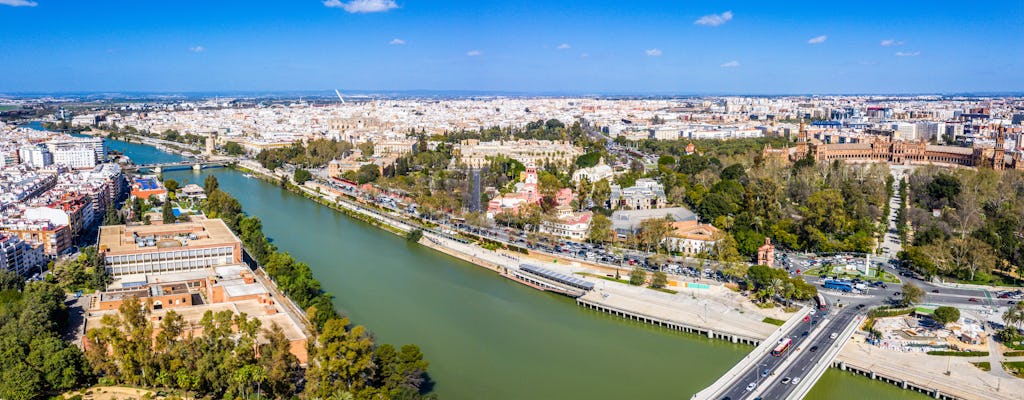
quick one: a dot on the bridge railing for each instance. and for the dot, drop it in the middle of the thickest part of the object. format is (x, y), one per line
(729, 378)
(825, 361)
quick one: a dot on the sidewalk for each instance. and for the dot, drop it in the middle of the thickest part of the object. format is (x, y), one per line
(965, 380)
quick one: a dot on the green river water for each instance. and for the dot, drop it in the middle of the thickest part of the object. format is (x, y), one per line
(486, 337)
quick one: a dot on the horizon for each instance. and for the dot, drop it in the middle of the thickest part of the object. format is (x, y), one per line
(547, 48)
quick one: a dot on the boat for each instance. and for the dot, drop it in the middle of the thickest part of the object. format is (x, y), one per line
(247, 175)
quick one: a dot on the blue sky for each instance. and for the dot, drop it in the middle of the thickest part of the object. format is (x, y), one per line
(594, 46)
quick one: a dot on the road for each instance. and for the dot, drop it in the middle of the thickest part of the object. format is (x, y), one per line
(757, 372)
(805, 360)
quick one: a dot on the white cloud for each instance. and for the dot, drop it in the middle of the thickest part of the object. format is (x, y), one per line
(731, 64)
(18, 3)
(397, 41)
(197, 49)
(714, 19)
(584, 55)
(818, 40)
(564, 46)
(653, 52)
(362, 6)
(891, 42)
(908, 53)
(474, 53)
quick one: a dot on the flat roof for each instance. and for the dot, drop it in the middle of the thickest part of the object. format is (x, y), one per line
(120, 239)
(557, 276)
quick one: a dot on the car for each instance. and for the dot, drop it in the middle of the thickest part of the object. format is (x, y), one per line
(814, 349)
(796, 380)
(812, 312)
(833, 335)
(935, 290)
(751, 386)
(765, 373)
(973, 299)
(805, 333)
(785, 381)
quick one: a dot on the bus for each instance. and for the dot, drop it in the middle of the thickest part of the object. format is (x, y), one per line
(842, 286)
(782, 347)
(822, 305)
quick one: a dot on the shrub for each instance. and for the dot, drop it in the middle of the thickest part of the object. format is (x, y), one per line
(958, 353)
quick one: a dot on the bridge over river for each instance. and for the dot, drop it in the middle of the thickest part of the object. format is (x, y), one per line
(159, 168)
(816, 340)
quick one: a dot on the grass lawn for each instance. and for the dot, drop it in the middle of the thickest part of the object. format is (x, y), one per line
(1015, 353)
(828, 271)
(1014, 367)
(773, 321)
(983, 365)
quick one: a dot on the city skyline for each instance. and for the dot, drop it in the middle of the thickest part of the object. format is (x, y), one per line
(603, 48)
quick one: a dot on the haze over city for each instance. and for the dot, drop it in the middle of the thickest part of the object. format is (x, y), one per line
(596, 47)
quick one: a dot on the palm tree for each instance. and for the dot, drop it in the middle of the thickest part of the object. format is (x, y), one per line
(1014, 316)
(776, 286)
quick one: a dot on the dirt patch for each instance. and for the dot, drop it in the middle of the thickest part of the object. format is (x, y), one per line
(112, 392)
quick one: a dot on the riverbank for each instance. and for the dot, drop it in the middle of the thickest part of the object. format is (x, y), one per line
(703, 307)
(926, 373)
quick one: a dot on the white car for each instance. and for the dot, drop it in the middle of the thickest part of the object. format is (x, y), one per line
(751, 386)
(796, 380)
(812, 312)
(833, 335)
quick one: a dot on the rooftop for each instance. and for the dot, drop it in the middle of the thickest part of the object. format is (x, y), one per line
(195, 233)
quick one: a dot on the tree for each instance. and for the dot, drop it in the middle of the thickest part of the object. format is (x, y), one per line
(414, 235)
(1014, 315)
(638, 276)
(602, 192)
(945, 314)
(171, 185)
(653, 232)
(301, 176)
(210, 184)
(343, 360)
(911, 294)
(548, 184)
(233, 149)
(168, 213)
(112, 216)
(600, 229)
(366, 148)
(367, 173)
(659, 280)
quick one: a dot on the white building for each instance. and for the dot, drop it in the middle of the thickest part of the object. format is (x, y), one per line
(74, 156)
(593, 174)
(569, 225)
(18, 256)
(76, 152)
(35, 156)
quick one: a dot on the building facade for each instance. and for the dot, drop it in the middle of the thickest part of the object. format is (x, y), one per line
(185, 246)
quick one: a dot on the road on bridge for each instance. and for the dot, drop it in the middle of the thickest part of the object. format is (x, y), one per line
(805, 360)
(766, 365)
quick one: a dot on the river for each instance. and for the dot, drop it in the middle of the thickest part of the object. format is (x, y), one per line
(486, 337)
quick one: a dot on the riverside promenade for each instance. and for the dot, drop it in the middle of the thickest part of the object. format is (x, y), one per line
(712, 308)
(927, 374)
